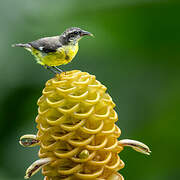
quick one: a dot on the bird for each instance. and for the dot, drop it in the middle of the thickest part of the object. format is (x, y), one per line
(54, 51)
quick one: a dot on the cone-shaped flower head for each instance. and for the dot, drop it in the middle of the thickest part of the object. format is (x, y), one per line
(77, 133)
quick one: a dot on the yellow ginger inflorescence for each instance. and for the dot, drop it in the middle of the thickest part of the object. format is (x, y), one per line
(77, 134)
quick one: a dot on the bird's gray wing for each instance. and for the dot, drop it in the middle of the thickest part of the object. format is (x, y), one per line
(47, 44)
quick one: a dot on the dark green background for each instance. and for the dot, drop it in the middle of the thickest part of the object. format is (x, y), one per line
(135, 54)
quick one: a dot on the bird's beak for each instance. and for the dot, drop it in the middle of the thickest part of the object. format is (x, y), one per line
(86, 33)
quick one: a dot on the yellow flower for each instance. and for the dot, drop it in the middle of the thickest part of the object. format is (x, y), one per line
(77, 133)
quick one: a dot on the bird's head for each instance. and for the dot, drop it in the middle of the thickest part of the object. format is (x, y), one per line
(73, 35)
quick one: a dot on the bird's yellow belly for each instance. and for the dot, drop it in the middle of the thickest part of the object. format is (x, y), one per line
(63, 55)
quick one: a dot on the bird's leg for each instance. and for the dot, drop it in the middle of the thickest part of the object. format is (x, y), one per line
(51, 69)
(56, 68)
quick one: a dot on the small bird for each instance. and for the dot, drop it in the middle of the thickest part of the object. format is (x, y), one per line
(56, 50)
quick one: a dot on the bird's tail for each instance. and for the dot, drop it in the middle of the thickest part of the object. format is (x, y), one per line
(21, 45)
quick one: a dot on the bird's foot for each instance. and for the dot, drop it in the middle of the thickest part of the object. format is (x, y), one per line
(57, 69)
(51, 69)
(54, 69)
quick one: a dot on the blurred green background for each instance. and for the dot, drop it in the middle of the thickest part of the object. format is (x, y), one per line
(135, 54)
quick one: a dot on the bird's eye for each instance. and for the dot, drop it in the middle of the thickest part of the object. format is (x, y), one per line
(71, 35)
